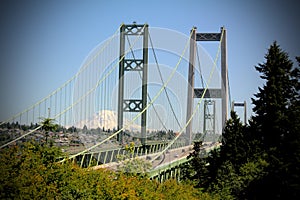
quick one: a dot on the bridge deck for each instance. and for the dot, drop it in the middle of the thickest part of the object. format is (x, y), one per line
(165, 159)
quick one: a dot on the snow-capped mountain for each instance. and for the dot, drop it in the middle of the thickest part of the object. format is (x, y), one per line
(109, 120)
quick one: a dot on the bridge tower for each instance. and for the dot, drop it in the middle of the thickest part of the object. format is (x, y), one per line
(209, 116)
(133, 65)
(210, 93)
(234, 104)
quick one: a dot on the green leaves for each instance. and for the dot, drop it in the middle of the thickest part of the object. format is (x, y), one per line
(30, 172)
(48, 124)
(131, 166)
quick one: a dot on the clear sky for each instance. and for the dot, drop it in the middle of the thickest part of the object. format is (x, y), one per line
(43, 43)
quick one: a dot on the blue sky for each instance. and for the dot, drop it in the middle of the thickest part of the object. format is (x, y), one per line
(43, 43)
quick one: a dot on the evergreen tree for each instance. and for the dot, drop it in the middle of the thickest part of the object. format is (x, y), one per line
(195, 170)
(48, 125)
(276, 125)
(234, 144)
(225, 172)
(274, 98)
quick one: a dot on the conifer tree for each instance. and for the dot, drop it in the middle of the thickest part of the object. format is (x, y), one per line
(234, 145)
(277, 113)
(199, 173)
(274, 98)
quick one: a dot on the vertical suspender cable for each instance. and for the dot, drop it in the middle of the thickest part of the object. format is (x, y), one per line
(203, 86)
(149, 97)
(161, 78)
(66, 83)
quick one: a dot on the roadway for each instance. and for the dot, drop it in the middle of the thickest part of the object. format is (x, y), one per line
(166, 158)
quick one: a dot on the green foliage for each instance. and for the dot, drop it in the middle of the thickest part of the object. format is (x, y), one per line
(30, 172)
(132, 166)
(276, 124)
(48, 124)
(172, 190)
(234, 144)
(230, 169)
(23, 172)
(195, 170)
(232, 183)
(225, 182)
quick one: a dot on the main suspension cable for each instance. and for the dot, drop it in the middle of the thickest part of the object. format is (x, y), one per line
(161, 78)
(148, 95)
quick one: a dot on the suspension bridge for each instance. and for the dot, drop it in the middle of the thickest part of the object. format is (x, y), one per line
(155, 87)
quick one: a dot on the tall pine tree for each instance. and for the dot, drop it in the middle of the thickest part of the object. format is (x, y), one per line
(274, 98)
(275, 124)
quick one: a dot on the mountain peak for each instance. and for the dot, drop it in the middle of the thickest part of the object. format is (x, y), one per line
(107, 119)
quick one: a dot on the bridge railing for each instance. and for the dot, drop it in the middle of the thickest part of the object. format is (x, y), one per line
(173, 169)
(106, 156)
(170, 170)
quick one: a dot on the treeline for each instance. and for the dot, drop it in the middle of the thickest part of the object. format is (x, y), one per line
(25, 127)
(260, 160)
(16, 125)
